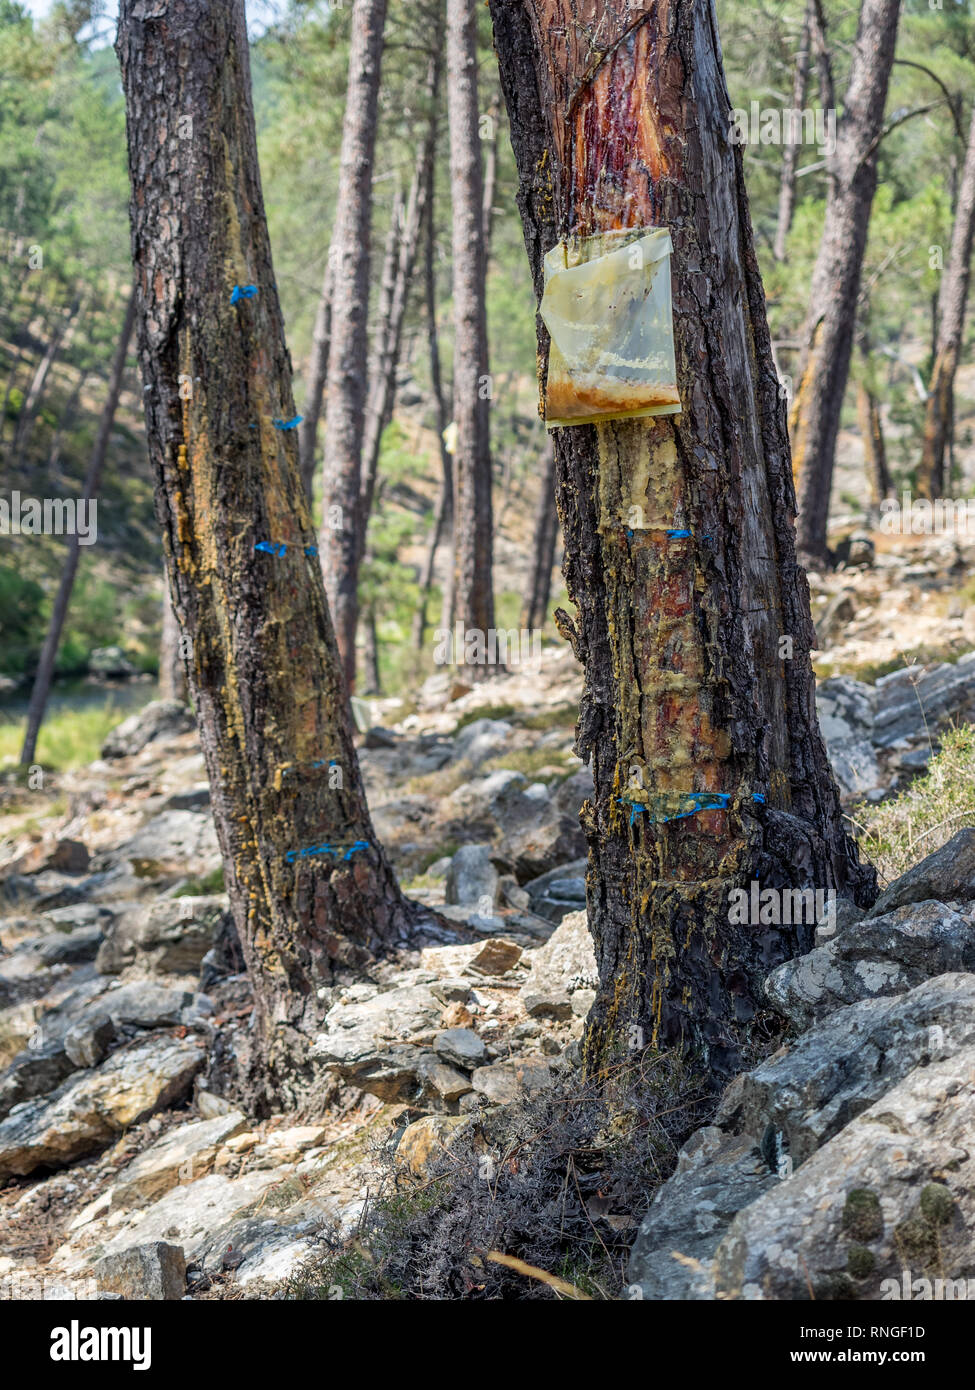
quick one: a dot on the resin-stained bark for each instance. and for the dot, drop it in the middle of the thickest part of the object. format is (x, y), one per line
(696, 648)
(264, 672)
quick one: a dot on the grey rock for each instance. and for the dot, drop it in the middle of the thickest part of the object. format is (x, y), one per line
(33, 1073)
(505, 1082)
(110, 661)
(440, 1082)
(195, 798)
(182, 838)
(170, 936)
(461, 1046)
(74, 948)
(88, 1110)
(471, 876)
(155, 1272)
(876, 956)
(894, 1190)
(947, 876)
(565, 963)
(482, 739)
(811, 1089)
(717, 1175)
(181, 1156)
(160, 719)
(912, 700)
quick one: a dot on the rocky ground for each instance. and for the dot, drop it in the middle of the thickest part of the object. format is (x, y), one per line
(126, 1170)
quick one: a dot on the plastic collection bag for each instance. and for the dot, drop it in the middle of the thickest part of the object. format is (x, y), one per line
(607, 305)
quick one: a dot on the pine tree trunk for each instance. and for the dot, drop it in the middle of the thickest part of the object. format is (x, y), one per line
(829, 333)
(543, 548)
(871, 429)
(389, 337)
(264, 672)
(931, 479)
(473, 597)
(491, 172)
(315, 378)
(790, 150)
(349, 353)
(619, 117)
(45, 666)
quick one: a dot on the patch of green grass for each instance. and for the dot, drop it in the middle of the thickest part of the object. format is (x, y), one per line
(203, 887)
(899, 833)
(68, 738)
(556, 717)
(530, 762)
(871, 671)
(485, 712)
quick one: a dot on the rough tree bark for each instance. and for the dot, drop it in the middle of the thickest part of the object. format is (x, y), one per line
(45, 666)
(830, 327)
(619, 118)
(264, 673)
(871, 428)
(931, 479)
(543, 549)
(349, 351)
(473, 596)
(790, 150)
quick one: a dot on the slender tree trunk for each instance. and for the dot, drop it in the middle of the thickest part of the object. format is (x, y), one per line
(491, 172)
(370, 653)
(931, 479)
(62, 600)
(871, 429)
(264, 673)
(65, 421)
(619, 118)
(315, 378)
(443, 523)
(172, 672)
(831, 324)
(389, 336)
(473, 597)
(60, 338)
(348, 357)
(790, 150)
(543, 548)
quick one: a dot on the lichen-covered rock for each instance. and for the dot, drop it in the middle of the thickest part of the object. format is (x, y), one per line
(154, 1272)
(892, 1195)
(170, 936)
(565, 963)
(811, 1089)
(159, 719)
(717, 1175)
(89, 1109)
(876, 956)
(182, 1155)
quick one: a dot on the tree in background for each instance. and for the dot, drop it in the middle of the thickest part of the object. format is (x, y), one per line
(310, 887)
(347, 381)
(473, 593)
(952, 301)
(831, 324)
(696, 646)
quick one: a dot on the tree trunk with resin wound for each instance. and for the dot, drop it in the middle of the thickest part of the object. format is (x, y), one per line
(264, 674)
(473, 593)
(349, 351)
(830, 329)
(931, 479)
(619, 118)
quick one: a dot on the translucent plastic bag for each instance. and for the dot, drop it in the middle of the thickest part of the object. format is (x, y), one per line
(607, 306)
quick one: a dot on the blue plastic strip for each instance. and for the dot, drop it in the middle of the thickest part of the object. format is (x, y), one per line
(699, 801)
(307, 853)
(240, 292)
(291, 424)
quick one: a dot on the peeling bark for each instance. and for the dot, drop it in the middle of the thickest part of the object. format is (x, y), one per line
(619, 118)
